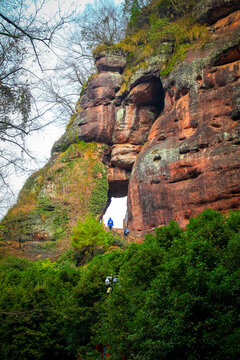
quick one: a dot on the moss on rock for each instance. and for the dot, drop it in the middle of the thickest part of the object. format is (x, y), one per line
(53, 198)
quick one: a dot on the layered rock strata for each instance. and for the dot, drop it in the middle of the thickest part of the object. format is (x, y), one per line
(192, 158)
(120, 121)
(181, 134)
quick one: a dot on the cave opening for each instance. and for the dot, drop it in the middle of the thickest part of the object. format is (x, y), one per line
(117, 210)
(116, 207)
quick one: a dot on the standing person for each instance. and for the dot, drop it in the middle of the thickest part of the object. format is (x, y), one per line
(126, 232)
(110, 223)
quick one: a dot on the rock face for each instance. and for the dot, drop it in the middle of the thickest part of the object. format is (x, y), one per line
(172, 144)
(180, 134)
(192, 158)
(210, 11)
(121, 121)
(124, 155)
(106, 61)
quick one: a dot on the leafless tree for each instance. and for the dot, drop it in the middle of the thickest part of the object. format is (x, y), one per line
(25, 39)
(102, 23)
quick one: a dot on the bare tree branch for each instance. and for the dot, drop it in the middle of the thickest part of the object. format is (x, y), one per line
(31, 37)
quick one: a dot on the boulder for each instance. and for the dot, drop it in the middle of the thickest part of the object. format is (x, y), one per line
(101, 89)
(110, 60)
(124, 155)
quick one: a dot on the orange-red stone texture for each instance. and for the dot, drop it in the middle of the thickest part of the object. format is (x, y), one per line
(176, 139)
(192, 159)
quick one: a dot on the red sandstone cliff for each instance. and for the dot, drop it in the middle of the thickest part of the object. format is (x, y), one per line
(181, 134)
(192, 158)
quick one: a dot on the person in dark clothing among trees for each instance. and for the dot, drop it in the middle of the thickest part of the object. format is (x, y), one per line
(126, 232)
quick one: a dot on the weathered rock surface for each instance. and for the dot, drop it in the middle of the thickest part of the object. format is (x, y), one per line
(124, 155)
(133, 123)
(172, 144)
(101, 89)
(210, 11)
(192, 159)
(110, 61)
(104, 119)
(191, 155)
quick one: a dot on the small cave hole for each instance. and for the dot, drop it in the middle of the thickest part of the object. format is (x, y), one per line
(229, 56)
(157, 158)
(155, 181)
(216, 125)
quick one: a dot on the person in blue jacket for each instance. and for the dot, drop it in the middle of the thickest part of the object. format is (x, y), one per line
(126, 232)
(110, 223)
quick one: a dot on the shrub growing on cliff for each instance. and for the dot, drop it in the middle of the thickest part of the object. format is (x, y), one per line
(89, 234)
(182, 6)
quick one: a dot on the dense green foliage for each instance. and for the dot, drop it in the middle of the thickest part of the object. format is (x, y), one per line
(89, 233)
(177, 298)
(141, 10)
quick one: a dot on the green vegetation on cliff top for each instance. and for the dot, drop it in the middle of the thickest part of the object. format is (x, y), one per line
(164, 30)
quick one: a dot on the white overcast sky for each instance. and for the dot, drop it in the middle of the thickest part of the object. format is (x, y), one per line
(40, 143)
